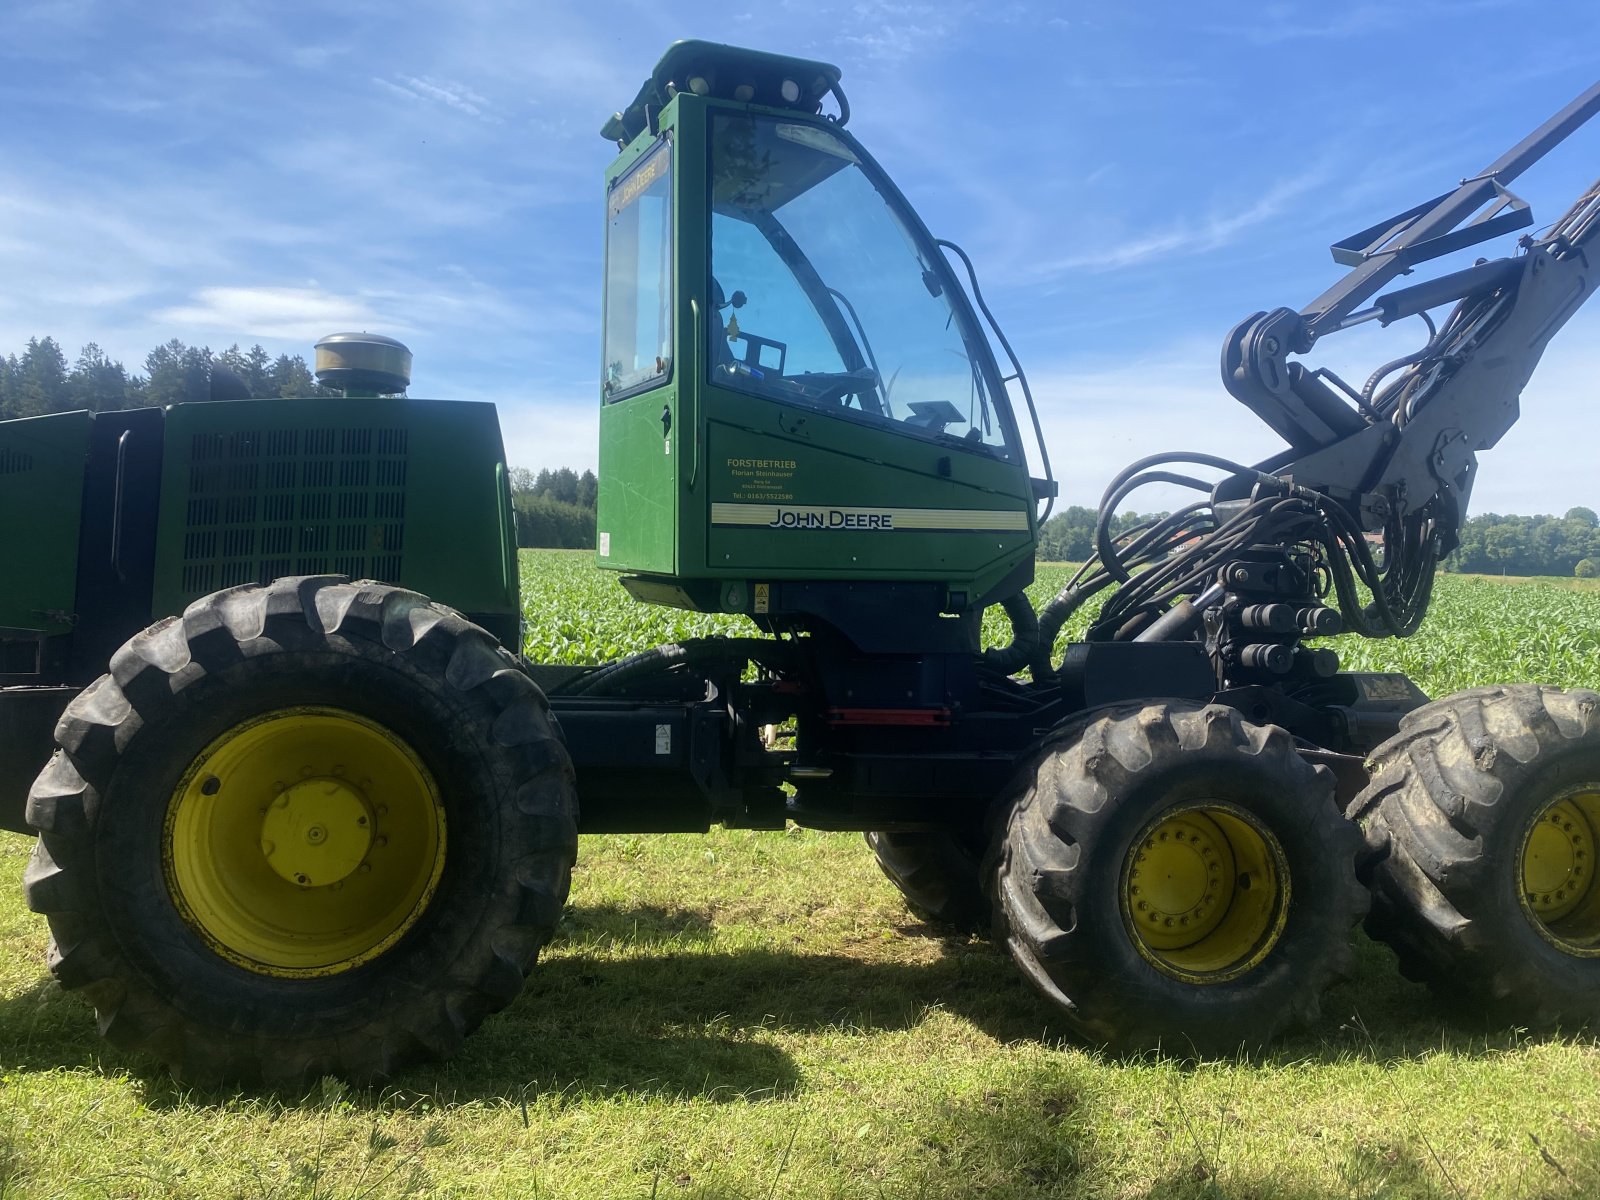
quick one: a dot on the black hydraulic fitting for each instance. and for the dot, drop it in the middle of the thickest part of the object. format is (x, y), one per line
(1323, 662)
(1275, 618)
(1320, 621)
(1267, 656)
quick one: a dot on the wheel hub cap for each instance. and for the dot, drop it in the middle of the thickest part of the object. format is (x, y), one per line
(1205, 892)
(317, 831)
(1180, 873)
(1556, 872)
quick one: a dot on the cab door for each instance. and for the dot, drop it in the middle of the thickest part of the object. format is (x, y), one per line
(641, 433)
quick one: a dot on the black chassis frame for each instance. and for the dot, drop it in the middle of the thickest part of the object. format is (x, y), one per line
(873, 741)
(681, 752)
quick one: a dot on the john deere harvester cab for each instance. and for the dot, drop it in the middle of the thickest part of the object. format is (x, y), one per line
(801, 418)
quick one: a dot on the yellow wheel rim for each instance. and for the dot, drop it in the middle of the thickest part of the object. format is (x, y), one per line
(304, 841)
(1205, 893)
(1555, 872)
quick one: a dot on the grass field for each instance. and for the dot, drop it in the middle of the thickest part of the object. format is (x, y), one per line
(756, 1015)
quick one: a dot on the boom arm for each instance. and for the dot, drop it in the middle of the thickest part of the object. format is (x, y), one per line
(1393, 451)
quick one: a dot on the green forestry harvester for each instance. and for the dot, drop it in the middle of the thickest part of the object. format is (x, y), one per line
(298, 816)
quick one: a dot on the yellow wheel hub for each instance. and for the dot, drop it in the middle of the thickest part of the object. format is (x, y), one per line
(304, 841)
(1205, 893)
(1555, 875)
(317, 831)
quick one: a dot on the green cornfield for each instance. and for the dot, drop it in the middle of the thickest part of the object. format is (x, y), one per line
(1480, 630)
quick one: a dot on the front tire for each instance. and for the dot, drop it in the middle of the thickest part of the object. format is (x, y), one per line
(316, 827)
(1482, 821)
(1177, 878)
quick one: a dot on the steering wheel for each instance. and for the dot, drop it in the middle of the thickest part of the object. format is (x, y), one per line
(827, 387)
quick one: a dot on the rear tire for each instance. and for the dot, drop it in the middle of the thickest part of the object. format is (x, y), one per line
(1481, 821)
(317, 827)
(940, 875)
(1177, 878)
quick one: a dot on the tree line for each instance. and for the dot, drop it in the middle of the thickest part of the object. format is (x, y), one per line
(40, 380)
(1069, 535)
(1492, 544)
(554, 509)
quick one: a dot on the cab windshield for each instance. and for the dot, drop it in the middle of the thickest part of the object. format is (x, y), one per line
(823, 297)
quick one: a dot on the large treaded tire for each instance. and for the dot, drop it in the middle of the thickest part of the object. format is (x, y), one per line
(940, 875)
(1449, 808)
(1087, 801)
(444, 688)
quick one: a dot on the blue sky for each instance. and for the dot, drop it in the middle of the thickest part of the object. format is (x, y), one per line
(1130, 179)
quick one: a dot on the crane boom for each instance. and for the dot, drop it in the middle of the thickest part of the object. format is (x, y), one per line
(1297, 403)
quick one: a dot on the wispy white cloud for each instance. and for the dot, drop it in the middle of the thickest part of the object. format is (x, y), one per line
(1101, 413)
(277, 312)
(1275, 24)
(890, 31)
(1279, 23)
(546, 428)
(1186, 237)
(436, 91)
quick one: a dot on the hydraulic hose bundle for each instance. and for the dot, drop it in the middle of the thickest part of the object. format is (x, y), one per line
(1162, 561)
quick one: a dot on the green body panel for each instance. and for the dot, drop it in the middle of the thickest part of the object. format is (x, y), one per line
(664, 502)
(41, 497)
(406, 491)
(637, 516)
(820, 474)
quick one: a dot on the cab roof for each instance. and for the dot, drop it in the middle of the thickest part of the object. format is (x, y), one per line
(728, 73)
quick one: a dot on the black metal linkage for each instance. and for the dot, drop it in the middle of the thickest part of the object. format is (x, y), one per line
(1438, 221)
